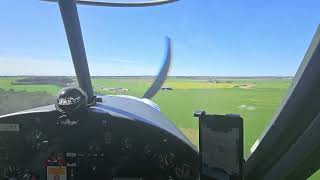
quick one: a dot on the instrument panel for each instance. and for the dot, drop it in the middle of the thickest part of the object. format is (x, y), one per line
(91, 145)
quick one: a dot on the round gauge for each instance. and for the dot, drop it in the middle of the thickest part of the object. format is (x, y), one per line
(93, 147)
(127, 144)
(148, 151)
(183, 171)
(38, 140)
(71, 100)
(179, 172)
(167, 160)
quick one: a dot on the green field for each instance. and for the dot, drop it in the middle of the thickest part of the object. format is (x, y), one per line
(5, 84)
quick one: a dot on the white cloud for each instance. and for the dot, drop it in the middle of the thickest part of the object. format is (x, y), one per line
(123, 61)
(30, 66)
(120, 69)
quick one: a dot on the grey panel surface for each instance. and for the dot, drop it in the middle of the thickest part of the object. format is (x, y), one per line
(297, 111)
(300, 161)
(127, 108)
(48, 108)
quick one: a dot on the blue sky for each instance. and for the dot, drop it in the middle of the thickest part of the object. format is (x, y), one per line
(210, 37)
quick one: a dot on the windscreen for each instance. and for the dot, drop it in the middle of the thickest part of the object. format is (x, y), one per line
(228, 57)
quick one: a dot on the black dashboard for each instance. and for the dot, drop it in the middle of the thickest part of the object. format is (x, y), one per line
(91, 145)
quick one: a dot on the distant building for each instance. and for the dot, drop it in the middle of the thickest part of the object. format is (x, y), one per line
(116, 89)
(121, 89)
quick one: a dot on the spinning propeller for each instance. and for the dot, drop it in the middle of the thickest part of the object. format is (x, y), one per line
(162, 75)
(69, 13)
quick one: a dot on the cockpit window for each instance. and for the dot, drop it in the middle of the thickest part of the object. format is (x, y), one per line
(227, 57)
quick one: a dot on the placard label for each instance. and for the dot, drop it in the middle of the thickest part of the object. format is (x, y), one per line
(9, 128)
(56, 173)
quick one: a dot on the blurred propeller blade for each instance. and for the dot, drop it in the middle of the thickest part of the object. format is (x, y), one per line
(162, 75)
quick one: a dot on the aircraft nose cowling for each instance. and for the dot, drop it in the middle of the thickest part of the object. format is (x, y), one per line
(144, 100)
(151, 103)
